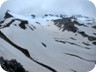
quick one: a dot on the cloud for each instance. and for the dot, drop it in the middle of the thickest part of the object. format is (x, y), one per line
(93, 1)
(39, 7)
(1, 2)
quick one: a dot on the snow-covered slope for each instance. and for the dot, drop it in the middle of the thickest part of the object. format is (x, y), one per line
(50, 43)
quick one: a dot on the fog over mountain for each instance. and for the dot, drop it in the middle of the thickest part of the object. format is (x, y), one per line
(39, 7)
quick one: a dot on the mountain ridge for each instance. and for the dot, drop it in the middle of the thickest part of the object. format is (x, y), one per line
(49, 43)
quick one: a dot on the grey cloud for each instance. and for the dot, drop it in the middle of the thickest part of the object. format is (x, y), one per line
(39, 7)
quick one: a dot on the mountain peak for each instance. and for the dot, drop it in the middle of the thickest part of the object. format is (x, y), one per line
(7, 14)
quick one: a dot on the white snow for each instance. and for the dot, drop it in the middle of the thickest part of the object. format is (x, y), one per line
(53, 54)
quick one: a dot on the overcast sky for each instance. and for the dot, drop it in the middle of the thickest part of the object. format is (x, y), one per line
(38, 7)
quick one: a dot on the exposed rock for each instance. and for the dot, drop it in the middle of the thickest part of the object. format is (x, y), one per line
(51, 15)
(2, 21)
(60, 41)
(94, 43)
(44, 44)
(23, 24)
(33, 16)
(11, 65)
(94, 33)
(72, 38)
(7, 15)
(94, 27)
(61, 16)
(91, 38)
(86, 44)
(46, 15)
(38, 22)
(83, 33)
(65, 24)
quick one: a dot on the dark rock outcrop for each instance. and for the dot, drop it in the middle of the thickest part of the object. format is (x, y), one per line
(94, 33)
(94, 43)
(7, 15)
(94, 27)
(91, 38)
(33, 16)
(83, 33)
(11, 65)
(66, 24)
(44, 44)
(23, 24)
